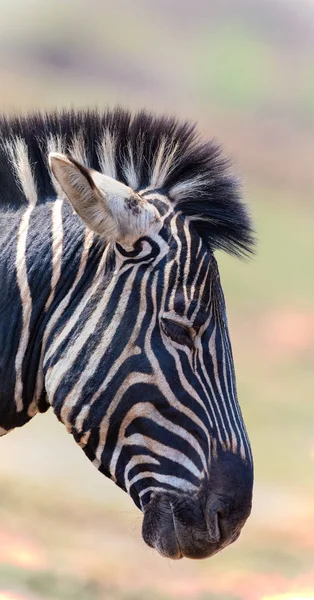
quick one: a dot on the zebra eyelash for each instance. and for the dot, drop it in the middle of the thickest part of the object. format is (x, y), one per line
(177, 332)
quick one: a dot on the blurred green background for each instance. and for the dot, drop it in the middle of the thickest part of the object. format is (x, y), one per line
(244, 70)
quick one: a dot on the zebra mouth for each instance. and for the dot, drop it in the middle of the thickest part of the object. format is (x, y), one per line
(159, 532)
(178, 527)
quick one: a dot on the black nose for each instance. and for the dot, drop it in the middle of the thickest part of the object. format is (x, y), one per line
(199, 525)
(183, 525)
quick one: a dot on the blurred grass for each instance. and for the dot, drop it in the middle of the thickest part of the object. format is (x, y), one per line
(279, 273)
(235, 67)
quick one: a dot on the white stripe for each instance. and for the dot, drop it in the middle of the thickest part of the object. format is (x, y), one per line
(18, 153)
(55, 143)
(26, 301)
(106, 155)
(138, 459)
(180, 190)
(78, 149)
(57, 247)
(174, 231)
(129, 170)
(164, 162)
(177, 482)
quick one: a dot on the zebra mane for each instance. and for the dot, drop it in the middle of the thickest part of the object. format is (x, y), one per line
(143, 151)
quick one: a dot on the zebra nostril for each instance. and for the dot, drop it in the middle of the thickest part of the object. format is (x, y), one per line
(222, 511)
(216, 514)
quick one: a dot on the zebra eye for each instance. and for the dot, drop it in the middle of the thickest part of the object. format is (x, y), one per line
(177, 332)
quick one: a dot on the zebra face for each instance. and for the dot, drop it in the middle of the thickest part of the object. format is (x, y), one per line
(155, 407)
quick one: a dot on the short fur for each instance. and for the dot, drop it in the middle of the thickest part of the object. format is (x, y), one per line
(142, 151)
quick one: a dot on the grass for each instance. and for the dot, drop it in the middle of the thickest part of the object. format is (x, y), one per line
(279, 275)
(235, 66)
(48, 584)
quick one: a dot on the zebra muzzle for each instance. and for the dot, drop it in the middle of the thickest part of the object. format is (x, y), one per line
(184, 526)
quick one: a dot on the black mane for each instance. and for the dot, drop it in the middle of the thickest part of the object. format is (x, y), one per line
(161, 150)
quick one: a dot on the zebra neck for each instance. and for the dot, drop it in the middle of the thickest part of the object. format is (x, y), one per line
(42, 259)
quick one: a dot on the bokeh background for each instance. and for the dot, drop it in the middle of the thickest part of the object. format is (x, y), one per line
(244, 70)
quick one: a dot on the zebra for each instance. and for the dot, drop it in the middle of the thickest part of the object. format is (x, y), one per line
(113, 314)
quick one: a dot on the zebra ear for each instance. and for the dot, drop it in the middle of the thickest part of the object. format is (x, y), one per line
(105, 205)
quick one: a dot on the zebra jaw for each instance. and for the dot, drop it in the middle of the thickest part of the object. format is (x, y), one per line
(108, 207)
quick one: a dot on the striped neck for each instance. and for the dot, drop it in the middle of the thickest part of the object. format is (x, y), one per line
(52, 255)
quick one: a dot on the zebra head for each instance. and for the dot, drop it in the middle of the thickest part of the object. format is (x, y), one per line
(146, 381)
